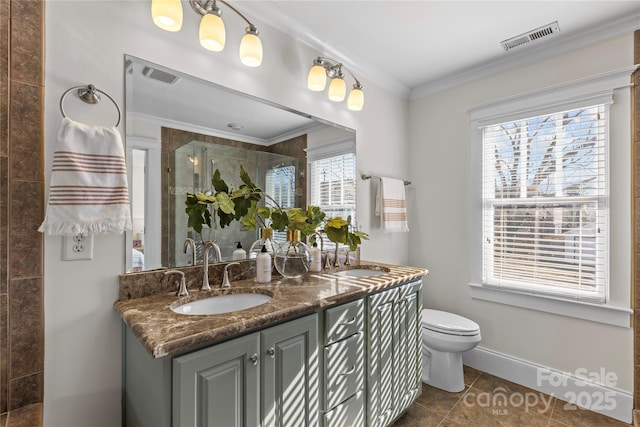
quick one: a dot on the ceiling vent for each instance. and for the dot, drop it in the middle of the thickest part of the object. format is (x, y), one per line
(160, 75)
(531, 36)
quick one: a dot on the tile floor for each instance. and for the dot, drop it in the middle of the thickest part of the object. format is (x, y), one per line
(437, 408)
(472, 407)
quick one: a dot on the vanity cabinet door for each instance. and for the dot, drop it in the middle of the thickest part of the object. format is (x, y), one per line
(289, 386)
(408, 351)
(381, 345)
(218, 386)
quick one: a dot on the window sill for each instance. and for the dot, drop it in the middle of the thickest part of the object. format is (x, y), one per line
(610, 315)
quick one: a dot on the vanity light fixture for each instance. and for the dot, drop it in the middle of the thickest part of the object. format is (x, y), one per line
(167, 14)
(326, 67)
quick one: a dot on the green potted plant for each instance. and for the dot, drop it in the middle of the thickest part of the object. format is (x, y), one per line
(242, 204)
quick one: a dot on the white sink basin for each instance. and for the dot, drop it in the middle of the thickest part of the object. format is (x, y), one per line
(361, 272)
(221, 304)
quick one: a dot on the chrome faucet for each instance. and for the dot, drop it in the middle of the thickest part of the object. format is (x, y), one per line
(205, 277)
(189, 243)
(225, 275)
(182, 288)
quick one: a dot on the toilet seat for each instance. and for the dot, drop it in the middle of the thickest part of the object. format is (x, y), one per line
(448, 323)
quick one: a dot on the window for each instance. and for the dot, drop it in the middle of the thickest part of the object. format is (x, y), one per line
(332, 181)
(333, 185)
(545, 204)
(280, 183)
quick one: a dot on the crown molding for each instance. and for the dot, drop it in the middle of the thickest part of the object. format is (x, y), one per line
(532, 54)
(272, 15)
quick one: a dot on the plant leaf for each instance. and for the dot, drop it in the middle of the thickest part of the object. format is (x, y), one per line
(279, 220)
(244, 176)
(218, 183)
(224, 203)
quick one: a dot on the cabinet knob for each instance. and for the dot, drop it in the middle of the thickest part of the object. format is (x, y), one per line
(271, 352)
(253, 359)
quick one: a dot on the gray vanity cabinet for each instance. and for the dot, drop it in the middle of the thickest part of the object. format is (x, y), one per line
(268, 378)
(264, 379)
(218, 386)
(393, 352)
(381, 361)
(409, 348)
(344, 365)
(360, 366)
(290, 384)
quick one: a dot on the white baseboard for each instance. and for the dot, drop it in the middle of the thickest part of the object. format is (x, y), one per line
(566, 386)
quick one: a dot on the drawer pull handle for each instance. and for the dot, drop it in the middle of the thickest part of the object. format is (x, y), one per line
(253, 359)
(348, 322)
(271, 352)
(349, 371)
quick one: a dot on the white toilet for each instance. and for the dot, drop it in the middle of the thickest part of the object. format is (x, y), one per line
(444, 337)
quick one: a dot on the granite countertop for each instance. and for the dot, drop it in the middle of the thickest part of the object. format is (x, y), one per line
(163, 332)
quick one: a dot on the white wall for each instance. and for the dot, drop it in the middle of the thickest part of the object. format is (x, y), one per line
(85, 43)
(440, 165)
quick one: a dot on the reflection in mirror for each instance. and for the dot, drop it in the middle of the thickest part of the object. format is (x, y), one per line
(190, 170)
(180, 129)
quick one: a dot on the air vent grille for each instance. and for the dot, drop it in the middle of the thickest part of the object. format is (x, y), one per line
(531, 36)
(160, 75)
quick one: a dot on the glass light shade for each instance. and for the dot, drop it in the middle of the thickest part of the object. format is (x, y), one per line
(317, 79)
(212, 32)
(167, 14)
(251, 50)
(337, 89)
(355, 101)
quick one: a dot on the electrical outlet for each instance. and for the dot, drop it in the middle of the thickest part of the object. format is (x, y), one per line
(77, 247)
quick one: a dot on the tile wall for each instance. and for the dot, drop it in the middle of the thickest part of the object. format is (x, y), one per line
(21, 203)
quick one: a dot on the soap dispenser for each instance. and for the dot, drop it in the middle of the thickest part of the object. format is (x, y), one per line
(239, 253)
(263, 266)
(316, 259)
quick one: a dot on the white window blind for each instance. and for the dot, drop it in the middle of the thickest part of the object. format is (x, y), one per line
(280, 184)
(545, 204)
(333, 186)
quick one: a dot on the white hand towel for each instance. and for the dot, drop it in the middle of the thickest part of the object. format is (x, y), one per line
(391, 203)
(88, 192)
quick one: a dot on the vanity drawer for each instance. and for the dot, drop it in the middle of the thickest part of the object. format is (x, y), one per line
(343, 321)
(347, 414)
(344, 369)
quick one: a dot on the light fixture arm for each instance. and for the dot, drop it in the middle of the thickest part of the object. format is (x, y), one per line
(209, 6)
(334, 68)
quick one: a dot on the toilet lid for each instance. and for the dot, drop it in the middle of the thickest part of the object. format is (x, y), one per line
(448, 323)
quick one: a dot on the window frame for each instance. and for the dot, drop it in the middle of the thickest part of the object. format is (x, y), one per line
(328, 151)
(588, 91)
(600, 295)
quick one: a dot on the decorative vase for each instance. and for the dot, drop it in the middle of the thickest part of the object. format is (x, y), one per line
(266, 239)
(292, 258)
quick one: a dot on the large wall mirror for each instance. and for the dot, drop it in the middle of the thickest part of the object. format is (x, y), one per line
(180, 129)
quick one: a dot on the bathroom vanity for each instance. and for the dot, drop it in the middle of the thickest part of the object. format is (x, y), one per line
(330, 349)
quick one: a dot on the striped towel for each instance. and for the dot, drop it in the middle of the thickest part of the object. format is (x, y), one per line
(391, 205)
(88, 192)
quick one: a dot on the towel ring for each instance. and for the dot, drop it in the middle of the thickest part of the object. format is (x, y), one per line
(91, 95)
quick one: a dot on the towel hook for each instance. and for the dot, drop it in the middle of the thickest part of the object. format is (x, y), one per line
(91, 95)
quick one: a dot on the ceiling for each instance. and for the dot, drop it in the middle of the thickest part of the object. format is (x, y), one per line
(418, 47)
